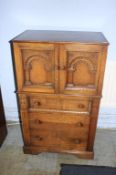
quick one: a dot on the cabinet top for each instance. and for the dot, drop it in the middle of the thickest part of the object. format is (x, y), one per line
(61, 36)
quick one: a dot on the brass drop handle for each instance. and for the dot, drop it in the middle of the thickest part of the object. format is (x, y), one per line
(77, 141)
(81, 106)
(79, 124)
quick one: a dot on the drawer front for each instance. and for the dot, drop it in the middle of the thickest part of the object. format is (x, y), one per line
(40, 118)
(72, 104)
(63, 131)
(58, 140)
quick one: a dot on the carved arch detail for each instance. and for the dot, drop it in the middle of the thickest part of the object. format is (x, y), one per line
(28, 66)
(79, 60)
(73, 66)
(32, 58)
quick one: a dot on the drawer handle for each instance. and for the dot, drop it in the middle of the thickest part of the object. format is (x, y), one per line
(38, 121)
(77, 141)
(79, 124)
(81, 106)
(36, 104)
(38, 138)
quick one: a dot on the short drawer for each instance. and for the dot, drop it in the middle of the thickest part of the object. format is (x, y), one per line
(61, 103)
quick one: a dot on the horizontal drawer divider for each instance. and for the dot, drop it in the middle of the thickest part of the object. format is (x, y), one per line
(89, 97)
(61, 111)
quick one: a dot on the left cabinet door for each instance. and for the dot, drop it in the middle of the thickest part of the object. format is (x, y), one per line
(35, 66)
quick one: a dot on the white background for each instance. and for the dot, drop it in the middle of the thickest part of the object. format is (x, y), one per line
(84, 15)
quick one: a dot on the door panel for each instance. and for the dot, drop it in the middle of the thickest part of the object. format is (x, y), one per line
(35, 64)
(79, 68)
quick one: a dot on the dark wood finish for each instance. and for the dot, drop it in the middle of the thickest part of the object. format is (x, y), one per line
(59, 78)
(61, 36)
(3, 129)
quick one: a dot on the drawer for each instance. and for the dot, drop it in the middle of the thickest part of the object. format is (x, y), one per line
(64, 131)
(58, 139)
(62, 103)
(42, 119)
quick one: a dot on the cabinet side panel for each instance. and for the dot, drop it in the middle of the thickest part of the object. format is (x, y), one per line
(93, 124)
(17, 62)
(23, 103)
(102, 69)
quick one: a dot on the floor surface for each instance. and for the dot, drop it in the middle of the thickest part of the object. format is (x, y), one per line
(14, 162)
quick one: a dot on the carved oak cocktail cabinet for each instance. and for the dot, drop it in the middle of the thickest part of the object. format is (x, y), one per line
(59, 78)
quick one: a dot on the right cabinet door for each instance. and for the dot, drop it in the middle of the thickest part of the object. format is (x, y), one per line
(80, 68)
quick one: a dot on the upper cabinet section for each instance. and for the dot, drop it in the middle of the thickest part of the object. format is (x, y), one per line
(60, 62)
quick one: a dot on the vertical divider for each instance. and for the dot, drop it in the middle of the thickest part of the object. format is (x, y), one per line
(62, 63)
(56, 65)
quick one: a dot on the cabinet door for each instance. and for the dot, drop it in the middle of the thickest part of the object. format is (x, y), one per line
(35, 66)
(79, 68)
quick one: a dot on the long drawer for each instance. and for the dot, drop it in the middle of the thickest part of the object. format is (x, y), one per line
(59, 102)
(67, 131)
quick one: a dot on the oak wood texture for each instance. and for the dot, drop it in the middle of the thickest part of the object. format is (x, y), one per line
(59, 102)
(3, 129)
(59, 78)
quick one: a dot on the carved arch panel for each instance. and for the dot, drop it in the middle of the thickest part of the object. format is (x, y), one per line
(80, 71)
(38, 70)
